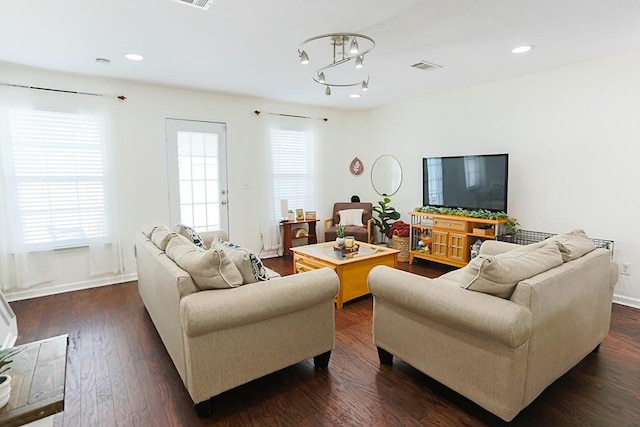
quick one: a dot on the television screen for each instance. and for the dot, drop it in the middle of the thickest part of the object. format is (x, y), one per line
(468, 182)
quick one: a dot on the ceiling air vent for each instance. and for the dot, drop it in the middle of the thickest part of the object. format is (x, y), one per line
(424, 65)
(200, 4)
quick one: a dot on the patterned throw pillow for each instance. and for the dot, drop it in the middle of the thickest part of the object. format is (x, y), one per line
(259, 271)
(192, 234)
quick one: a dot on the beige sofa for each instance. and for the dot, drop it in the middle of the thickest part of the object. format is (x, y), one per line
(500, 352)
(219, 339)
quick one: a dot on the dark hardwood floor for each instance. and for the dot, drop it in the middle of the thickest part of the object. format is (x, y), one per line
(120, 374)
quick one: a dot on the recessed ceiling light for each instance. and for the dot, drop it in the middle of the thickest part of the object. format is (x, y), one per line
(354, 95)
(134, 57)
(523, 49)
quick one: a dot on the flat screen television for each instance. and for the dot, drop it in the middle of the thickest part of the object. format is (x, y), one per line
(467, 182)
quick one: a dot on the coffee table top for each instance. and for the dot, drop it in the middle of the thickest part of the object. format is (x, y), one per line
(326, 252)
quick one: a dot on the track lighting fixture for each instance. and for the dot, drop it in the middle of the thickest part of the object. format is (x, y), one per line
(340, 55)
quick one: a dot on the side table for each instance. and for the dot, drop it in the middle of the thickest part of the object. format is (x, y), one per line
(287, 239)
(37, 381)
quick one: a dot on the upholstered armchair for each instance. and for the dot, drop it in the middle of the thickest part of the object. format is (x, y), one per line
(356, 217)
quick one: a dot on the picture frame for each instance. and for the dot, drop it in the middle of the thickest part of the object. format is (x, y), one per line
(310, 215)
(299, 214)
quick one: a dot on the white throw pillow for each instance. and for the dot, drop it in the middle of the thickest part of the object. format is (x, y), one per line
(248, 263)
(210, 269)
(351, 217)
(573, 244)
(160, 236)
(499, 275)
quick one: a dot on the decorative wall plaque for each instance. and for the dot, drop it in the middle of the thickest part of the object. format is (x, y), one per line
(356, 167)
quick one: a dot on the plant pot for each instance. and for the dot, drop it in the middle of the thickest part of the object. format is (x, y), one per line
(5, 389)
(340, 241)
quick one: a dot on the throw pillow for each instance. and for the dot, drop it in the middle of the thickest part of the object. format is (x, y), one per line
(160, 236)
(210, 269)
(246, 261)
(498, 275)
(192, 234)
(351, 217)
(573, 244)
(240, 258)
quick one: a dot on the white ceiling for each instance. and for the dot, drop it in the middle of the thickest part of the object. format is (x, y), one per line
(249, 47)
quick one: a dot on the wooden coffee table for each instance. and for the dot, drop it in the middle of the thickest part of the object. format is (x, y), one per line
(352, 268)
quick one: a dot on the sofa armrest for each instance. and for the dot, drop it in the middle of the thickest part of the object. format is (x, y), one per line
(443, 302)
(495, 247)
(209, 311)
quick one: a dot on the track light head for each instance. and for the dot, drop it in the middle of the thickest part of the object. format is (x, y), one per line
(327, 91)
(354, 46)
(359, 60)
(304, 58)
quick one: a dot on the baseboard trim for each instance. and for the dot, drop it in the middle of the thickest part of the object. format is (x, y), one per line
(69, 287)
(628, 301)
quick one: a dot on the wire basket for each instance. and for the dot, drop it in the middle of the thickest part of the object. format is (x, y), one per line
(526, 237)
(401, 244)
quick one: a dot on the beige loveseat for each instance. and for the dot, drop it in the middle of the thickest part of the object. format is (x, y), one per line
(500, 352)
(219, 339)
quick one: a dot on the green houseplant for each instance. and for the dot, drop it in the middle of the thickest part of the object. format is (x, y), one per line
(386, 216)
(340, 229)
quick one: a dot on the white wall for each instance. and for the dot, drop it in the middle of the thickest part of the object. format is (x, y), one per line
(572, 135)
(139, 161)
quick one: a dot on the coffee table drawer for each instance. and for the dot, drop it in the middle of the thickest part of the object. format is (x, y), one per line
(302, 264)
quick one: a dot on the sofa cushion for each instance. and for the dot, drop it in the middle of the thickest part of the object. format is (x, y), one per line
(573, 244)
(190, 234)
(211, 269)
(351, 217)
(248, 263)
(160, 236)
(498, 275)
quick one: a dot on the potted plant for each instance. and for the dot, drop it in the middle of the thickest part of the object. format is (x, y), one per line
(5, 380)
(340, 229)
(386, 216)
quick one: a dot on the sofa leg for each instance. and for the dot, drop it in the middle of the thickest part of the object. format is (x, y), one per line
(321, 361)
(385, 357)
(204, 409)
(597, 349)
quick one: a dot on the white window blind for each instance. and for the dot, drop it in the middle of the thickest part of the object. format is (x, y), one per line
(292, 154)
(57, 174)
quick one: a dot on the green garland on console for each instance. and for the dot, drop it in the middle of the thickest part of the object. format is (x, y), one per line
(481, 213)
(511, 225)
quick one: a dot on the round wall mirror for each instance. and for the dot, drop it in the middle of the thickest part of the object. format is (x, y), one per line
(386, 175)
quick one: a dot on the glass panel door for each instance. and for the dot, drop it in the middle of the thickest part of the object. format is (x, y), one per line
(196, 162)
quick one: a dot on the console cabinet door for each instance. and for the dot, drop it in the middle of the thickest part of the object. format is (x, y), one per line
(440, 243)
(458, 247)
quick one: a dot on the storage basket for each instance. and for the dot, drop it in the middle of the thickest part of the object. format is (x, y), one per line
(401, 244)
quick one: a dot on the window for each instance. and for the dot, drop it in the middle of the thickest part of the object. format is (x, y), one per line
(293, 171)
(198, 180)
(56, 176)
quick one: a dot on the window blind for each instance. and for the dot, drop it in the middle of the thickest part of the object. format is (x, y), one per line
(292, 154)
(58, 174)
